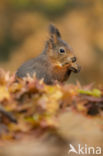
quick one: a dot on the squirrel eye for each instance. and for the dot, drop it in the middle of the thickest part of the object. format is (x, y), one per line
(62, 50)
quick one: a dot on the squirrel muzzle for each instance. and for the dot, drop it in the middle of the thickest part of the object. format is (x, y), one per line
(72, 65)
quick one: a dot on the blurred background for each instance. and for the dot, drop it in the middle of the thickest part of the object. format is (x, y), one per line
(24, 30)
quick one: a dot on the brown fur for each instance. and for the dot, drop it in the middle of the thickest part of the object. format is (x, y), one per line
(51, 64)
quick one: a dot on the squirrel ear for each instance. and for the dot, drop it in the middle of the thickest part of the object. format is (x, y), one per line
(50, 43)
(54, 32)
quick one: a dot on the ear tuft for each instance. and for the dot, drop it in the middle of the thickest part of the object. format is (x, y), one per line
(54, 31)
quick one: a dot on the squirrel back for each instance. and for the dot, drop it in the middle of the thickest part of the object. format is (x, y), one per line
(56, 62)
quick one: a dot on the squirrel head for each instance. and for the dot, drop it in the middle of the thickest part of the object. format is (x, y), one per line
(59, 52)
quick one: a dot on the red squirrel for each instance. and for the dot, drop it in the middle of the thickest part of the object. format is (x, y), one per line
(55, 63)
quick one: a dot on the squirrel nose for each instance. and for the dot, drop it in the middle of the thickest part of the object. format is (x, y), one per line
(73, 59)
